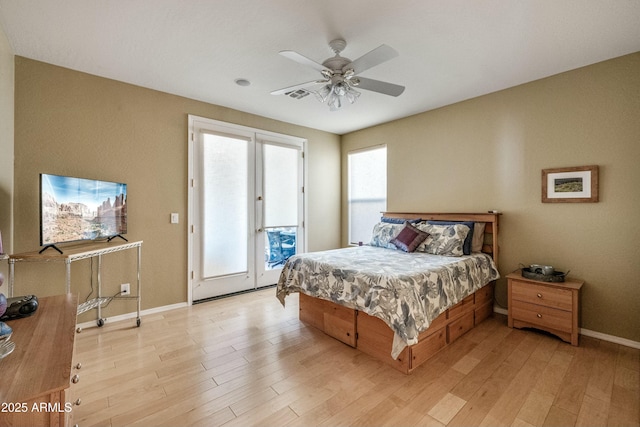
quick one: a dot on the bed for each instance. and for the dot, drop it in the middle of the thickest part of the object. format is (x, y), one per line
(401, 304)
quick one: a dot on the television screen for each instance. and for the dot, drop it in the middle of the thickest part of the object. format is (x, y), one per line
(73, 209)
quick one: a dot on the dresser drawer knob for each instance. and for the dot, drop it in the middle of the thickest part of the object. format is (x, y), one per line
(75, 379)
(77, 402)
(539, 295)
(78, 365)
(539, 316)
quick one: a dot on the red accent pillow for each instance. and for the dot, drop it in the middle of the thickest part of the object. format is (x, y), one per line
(409, 238)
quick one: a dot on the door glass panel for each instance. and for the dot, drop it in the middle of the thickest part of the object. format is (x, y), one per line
(280, 185)
(225, 184)
(281, 188)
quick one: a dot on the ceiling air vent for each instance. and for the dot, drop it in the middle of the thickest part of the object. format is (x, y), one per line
(298, 94)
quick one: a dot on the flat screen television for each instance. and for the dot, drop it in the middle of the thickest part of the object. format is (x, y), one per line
(76, 209)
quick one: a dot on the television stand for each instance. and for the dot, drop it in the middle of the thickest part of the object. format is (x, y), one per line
(117, 235)
(77, 253)
(50, 246)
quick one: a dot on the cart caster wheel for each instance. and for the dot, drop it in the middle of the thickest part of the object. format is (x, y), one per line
(138, 321)
(100, 322)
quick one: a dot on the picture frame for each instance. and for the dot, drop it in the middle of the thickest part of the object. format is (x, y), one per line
(570, 185)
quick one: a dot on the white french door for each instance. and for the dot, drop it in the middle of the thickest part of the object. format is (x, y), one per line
(246, 207)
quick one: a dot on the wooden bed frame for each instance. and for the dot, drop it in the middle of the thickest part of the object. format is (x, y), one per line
(374, 337)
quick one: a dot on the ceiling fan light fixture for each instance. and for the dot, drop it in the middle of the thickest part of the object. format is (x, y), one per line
(340, 75)
(352, 95)
(334, 102)
(323, 93)
(340, 89)
(334, 94)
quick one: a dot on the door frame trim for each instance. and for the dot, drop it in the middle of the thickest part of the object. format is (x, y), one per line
(193, 121)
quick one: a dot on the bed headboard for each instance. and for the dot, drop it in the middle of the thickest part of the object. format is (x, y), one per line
(490, 219)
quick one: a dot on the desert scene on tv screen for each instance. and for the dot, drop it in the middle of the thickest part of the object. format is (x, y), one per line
(75, 209)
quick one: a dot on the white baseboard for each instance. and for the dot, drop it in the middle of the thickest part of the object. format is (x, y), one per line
(611, 338)
(590, 333)
(500, 310)
(134, 314)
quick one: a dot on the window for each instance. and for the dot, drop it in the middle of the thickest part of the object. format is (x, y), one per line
(367, 180)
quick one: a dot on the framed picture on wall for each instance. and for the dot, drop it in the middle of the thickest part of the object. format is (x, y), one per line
(570, 185)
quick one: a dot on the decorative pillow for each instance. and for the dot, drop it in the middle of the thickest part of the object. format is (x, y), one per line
(444, 240)
(477, 242)
(409, 238)
(383, 233)
(399, 220)
(466, 247)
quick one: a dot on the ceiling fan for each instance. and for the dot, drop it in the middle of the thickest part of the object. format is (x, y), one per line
(341, 75)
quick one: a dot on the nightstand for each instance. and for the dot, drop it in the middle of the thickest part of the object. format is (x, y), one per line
(549, 306)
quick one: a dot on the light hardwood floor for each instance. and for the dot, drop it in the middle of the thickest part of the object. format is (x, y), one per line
(247, 361)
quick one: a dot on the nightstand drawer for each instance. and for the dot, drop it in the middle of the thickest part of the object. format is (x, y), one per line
(535, 314)
(542, 295)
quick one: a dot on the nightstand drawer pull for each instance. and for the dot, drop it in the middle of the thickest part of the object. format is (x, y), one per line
(539, 295)
(75, 379)
(539, 316)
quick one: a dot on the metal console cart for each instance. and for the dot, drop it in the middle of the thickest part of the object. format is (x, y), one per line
(78, 253)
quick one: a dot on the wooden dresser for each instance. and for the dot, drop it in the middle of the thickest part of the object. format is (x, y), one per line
(34, 378)
(549, 306)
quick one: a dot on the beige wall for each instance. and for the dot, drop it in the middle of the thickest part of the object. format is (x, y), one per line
(488, 153)
(71, 123)
(6, 149)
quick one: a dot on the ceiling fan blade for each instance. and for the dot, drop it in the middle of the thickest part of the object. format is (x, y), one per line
(380, 86)
(301, 59)
(377, 56)
(298, 86)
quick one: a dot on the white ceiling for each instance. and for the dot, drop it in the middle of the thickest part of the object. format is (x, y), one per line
(449, 50)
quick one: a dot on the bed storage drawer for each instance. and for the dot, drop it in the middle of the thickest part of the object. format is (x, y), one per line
(375, 338)
(340, 323)
(459, 326)
(483, 311)
(436, 324)
(312, 311)
(484, 294)
(461, 307)
(428, 346)
(333, 319)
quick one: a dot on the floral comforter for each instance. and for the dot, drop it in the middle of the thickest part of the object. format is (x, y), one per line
(406, 290)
